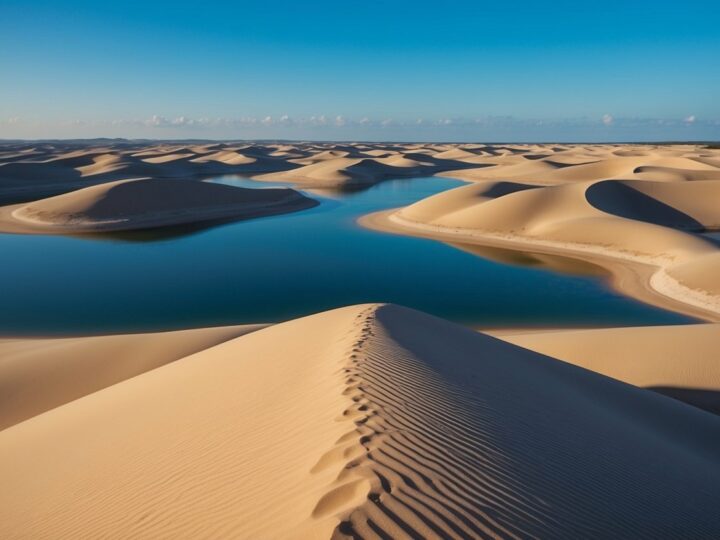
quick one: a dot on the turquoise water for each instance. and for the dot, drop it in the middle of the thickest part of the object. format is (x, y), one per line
(280, 267)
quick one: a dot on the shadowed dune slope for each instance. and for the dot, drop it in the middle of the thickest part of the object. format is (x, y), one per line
(135, 204)
(373, 421)
(679, 205)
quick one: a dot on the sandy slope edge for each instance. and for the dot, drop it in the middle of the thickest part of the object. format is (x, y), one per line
(369, 420)
(640, 276)
(39, 374)
(678, 361)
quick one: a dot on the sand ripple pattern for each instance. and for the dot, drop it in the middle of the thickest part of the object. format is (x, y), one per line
(465, 439)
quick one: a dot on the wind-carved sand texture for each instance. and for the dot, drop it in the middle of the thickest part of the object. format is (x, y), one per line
(143, 204)
(370, 421)
(634, 210)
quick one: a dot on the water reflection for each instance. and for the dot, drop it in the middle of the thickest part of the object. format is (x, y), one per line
(555, 263)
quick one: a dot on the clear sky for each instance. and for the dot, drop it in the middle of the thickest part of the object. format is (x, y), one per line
(371, 70)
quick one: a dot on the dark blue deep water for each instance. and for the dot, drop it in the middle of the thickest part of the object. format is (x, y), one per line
(280, 267)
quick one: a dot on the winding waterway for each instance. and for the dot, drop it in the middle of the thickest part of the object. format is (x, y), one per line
(281, 267)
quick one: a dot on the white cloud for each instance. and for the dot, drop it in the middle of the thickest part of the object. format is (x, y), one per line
(157, 121)
(185, 121)
(159, 126)
(318, 120)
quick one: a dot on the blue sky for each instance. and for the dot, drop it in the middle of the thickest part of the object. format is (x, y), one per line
(402, 70)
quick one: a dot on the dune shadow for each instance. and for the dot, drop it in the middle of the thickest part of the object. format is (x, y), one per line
(561, 165)
(500, 189)
(707, 400)
(155, 234)
(535, 157)
(712, 236)
(615, 197)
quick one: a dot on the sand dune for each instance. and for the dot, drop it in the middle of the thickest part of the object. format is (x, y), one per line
(325, 155)
(579, 213)
(330, 172)
(672, 174)
(699, 274)
(101, 164)
(142, 204)
(600, 162)
(224, 443)
(228, 157)
(39, 374)
(335, 171)
(373, 421)
(30, 171)
(678, 361)
(691, 206)
(607, 209)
